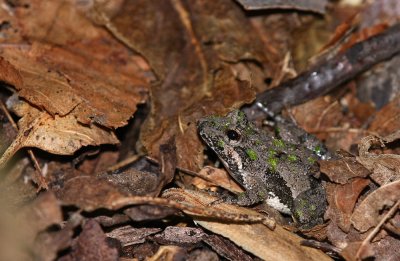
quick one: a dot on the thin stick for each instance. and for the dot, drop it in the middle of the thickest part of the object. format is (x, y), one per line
(38, 170)
(327, 75)
(124, 162)
(375, 231)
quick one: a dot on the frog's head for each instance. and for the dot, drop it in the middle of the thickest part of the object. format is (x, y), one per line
(229, 137)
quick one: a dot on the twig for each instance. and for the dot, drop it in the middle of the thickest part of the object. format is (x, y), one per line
(324, 77)
(124, 162)
(321, 245)
(204, 210)
(41, 181)
(373, 233)
(191, 173)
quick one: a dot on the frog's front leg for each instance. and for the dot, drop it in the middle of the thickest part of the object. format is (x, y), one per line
(255, 190)
(246, 198)
(309, 207)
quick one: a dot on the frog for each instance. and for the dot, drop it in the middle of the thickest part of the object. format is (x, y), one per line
(282, 173)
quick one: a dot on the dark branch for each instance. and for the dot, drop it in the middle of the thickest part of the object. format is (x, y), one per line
(322, 78)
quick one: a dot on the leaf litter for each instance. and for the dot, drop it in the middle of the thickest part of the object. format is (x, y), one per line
(74, 75)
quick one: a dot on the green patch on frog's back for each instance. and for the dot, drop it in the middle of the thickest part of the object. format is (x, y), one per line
(252, 154)
(278, 143)
(292, 158)
(272, 163)
(311, 160)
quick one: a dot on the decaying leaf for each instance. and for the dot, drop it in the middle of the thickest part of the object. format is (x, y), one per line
(58, 135)
(192, 47)
(384, 167)
(92, 245)
(342, 199)
(257, 239)
(84, 79)
(129, 235)
(218, 176)
(168, 253)
(180, 236)
(226, 248)
(370, 211)
(105, 81)
(342, 170)
(387, 120)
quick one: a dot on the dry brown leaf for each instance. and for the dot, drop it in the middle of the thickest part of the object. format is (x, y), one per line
(370, 211)
(225, 248)
(257, 239)
(168, 253)
(180, 236)
(58, 135)
(384, 167)
(73, 70)
(89, 193)
(342, 170)
(92, 245)
(218, 176)
(387, 120)
(129, 235)
(342, 199)
(91, 92)
(192, 46)
(318, 114)
(94, 74)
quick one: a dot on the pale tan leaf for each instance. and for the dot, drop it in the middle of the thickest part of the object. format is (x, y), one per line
(58, 135)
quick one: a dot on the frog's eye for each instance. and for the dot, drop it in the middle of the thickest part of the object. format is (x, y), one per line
(233, 135)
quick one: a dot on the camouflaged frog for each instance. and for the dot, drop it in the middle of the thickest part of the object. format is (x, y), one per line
(269, 168)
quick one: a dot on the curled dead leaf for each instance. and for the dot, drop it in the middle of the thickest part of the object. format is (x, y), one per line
(370, 211)
(58, 135)
(384, 167)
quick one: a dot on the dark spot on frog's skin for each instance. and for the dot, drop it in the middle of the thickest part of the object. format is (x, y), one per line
(37, 137)
(26, 133)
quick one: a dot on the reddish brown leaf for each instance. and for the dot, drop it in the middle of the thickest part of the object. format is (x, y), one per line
(342, 199)
(370, 211)
(342, 170)
(188, 47)
(180, 236)
(92, 245)
(387, 120)
(129, 235)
